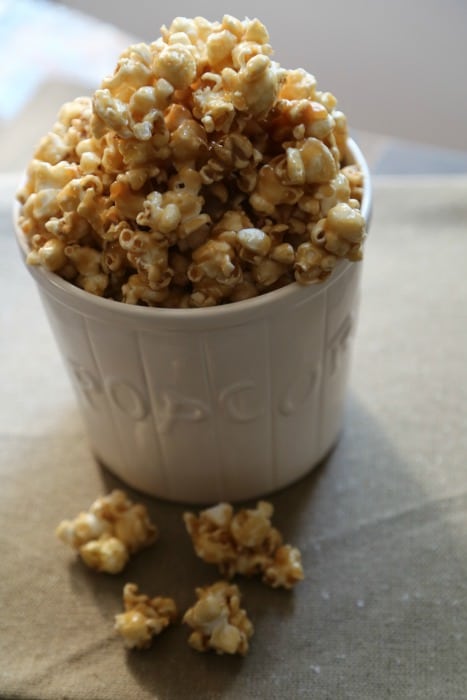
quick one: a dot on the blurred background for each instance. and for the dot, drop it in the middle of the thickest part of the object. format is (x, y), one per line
(397, 68)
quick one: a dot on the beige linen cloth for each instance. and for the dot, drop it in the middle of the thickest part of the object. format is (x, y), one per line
(382, 524)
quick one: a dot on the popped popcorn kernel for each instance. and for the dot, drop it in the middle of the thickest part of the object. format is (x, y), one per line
(354, 177)
(84, 528)
(177, 65)
(285, 570)
(217, 620)
(199, 123)
(244, 543)
(107, 554)
(111, 531)
(143, 618)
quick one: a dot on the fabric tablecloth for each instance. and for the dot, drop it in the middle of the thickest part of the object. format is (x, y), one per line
(382, 523)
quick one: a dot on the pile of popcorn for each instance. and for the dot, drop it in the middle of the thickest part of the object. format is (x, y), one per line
(239, 543)
(244, 543)
(201, 172)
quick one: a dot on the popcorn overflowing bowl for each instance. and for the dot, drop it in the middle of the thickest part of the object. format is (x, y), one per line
(194, 231)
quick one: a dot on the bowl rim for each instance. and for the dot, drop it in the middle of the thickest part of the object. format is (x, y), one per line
(231, 313)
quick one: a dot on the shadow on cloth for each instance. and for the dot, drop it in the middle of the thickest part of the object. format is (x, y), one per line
(330, 502)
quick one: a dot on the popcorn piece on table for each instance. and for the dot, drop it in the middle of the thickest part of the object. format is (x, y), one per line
(107, 554)
(244, 543)
(144, 617)
(107, 534)
(217, 620)
(199, 123)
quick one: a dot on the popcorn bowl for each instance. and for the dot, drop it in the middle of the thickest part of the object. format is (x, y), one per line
(203, 405)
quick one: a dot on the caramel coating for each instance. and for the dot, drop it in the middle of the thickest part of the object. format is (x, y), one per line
(143, 618)
(108, 533)
(217, 620)
(244, 543)
(191, 129)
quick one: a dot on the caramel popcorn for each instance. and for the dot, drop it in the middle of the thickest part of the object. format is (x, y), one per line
(244, 543)
(217, 620)
(144, 617)
(132, 193)
(111, 531)
(106, 554)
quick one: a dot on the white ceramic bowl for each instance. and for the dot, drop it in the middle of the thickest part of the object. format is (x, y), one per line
(202, 405)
